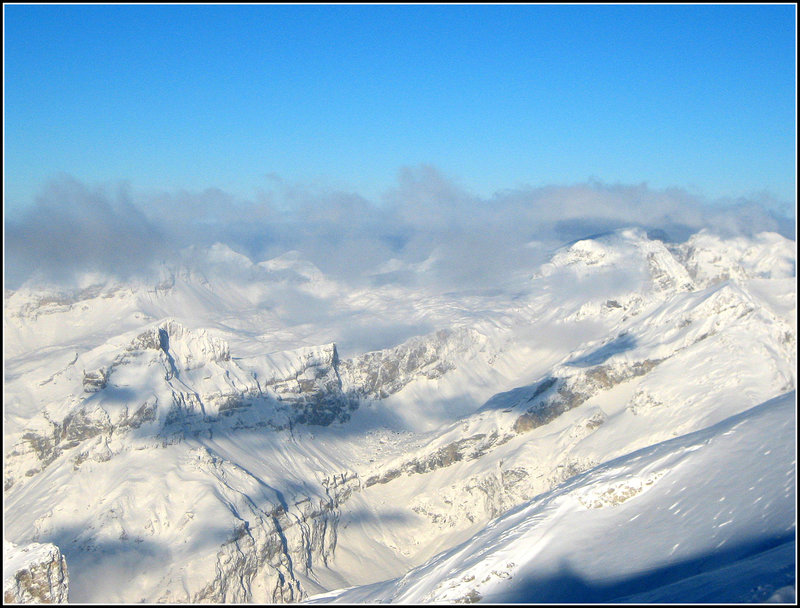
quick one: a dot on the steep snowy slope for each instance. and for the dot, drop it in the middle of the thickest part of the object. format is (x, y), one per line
(204, 439)
(708, 516)
(598, 400)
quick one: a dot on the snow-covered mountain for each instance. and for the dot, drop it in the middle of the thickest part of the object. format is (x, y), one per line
(259, 432)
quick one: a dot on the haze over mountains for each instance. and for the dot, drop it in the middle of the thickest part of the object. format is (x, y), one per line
(485, 413)
(114, 229)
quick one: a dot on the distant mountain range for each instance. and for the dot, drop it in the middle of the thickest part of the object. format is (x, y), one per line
(618, 423)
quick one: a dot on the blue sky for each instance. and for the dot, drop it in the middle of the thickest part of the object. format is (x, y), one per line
(191, 97)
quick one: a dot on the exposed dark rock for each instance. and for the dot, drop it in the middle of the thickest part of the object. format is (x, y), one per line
(95, 381)
(379, 374)
(569, 395)
(42, 578)
(543, 386)
(145, 413)
(473, 597)
(468, 448)
(82, 425)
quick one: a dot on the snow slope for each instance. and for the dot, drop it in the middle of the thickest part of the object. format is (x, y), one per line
(708, 516)
(206, 437)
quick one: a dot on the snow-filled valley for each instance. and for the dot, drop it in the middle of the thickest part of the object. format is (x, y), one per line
(617, 423)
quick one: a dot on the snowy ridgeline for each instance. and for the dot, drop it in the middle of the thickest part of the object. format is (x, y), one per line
(597, 426)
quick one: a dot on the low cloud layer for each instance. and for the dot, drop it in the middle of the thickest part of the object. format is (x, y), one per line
(74, 228)
(424, 219)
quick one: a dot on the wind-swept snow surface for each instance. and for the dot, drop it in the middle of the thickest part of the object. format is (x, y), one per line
(706, 517)
(620, 418)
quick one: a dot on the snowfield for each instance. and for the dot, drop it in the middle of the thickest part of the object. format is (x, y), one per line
(616, 424)
(708, 516)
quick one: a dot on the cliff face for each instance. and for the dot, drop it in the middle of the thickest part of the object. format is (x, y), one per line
(379, 374)
(272, 544)
(157, 404)
(34, 574)
(175, 382)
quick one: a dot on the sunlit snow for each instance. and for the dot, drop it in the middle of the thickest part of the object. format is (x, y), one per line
(615, 424)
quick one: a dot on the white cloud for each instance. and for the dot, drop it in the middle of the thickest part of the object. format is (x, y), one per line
(468, 241)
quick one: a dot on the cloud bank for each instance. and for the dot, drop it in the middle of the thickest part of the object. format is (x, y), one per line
(425, 219)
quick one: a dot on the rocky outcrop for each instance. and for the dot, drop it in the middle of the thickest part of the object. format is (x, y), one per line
(379, 374)
(184, 381)
(314, 388)
(711, 259)
(95, 381)
(491, 494)
(468, 448)
(189, 384)
(271, 544)
(35, 573)
(555, 396)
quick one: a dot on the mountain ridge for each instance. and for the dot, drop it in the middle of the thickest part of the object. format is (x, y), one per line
(304, 463)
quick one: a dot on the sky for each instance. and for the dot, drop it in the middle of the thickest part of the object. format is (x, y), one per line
(190, 97)
(379, 130)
